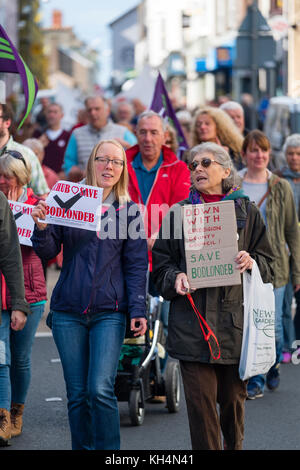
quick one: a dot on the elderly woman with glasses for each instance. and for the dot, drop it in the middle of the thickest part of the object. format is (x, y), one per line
(103, 280)
(15, 174)
(207, 382)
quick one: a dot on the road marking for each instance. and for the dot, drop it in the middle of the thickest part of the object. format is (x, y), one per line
(53, 399)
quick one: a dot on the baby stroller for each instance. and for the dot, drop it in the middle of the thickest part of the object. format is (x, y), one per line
(139, 378)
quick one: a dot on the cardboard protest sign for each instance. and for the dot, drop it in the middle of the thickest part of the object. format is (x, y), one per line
(210, 234)
(24, 221)
(74, 205)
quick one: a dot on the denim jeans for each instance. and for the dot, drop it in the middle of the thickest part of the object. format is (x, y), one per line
(259, 380)
(15, 357)
(89, 348)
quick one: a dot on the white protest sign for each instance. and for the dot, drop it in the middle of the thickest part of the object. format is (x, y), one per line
(210, 235)
(24, 221)
(74, 205)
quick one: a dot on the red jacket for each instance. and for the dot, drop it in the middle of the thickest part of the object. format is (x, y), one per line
(34, 279)
(171, 185)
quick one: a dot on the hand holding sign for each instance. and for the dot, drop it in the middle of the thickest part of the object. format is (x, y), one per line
(211, 248)
(73, 205)
(39, 213)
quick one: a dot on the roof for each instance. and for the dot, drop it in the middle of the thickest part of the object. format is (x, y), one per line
(123, 15)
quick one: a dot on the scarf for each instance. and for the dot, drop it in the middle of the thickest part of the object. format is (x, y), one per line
(234, 193)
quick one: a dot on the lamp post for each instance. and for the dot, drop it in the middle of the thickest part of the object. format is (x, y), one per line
(254, 63)
(255, 47)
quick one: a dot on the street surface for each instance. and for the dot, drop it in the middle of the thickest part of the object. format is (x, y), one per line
(272, 422)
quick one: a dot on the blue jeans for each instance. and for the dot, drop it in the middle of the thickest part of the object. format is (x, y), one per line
(89, 348)
(259, 380)
(15, 357)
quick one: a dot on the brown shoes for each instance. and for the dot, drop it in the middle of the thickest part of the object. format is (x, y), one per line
(5, 427)
(16, 416)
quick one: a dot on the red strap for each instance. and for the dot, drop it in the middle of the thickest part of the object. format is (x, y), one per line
(203, 323)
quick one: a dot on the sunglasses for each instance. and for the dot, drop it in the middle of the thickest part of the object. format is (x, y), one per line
(16, 154)
(205, 163)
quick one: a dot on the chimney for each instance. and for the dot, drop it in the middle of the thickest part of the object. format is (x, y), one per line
(56, 19)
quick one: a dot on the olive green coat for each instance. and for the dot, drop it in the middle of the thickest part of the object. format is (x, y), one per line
(283, 231)
(222, 307)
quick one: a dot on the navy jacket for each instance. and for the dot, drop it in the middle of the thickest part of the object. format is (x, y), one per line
(107, 274)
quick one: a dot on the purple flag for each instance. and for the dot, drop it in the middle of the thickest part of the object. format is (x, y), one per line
(161, 104)
(12, 62)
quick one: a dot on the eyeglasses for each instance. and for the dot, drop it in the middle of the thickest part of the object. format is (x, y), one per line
(15, 154)
(205, 163)
(106, 161)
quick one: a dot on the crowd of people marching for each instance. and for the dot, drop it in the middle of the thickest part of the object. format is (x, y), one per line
(133, 154)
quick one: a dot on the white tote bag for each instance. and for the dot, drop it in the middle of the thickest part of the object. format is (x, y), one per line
(258, 352)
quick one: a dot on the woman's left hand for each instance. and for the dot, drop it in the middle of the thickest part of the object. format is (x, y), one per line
(243, 261)
(139, 326)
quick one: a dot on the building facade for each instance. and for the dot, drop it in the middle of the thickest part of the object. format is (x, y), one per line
(124, 32)
(69, 61)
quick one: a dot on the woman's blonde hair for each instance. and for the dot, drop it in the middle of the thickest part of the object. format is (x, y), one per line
(12, 166)
(121, 187)
(227, 132)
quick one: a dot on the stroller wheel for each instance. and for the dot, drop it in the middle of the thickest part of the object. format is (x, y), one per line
(172, 386)
(136, 408)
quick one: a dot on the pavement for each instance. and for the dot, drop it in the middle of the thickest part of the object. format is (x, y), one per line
(272, 422)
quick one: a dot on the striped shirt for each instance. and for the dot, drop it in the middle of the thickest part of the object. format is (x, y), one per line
(83, 140)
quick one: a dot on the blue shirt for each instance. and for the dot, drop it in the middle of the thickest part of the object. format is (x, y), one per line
(145, 177)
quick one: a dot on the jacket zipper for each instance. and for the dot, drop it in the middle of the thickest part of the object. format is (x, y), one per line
(93, 282)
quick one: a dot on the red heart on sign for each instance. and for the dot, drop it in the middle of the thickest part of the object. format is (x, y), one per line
(17, 208)
(74, 189)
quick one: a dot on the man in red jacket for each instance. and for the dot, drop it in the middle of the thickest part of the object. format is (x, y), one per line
(157, 179)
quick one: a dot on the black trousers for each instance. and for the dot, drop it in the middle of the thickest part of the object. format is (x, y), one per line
(205, 385)
(297, 317)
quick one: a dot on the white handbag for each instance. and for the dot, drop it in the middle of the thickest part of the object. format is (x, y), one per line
(258, 352)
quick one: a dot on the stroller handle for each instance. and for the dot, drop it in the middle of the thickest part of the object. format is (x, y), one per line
(154, 343)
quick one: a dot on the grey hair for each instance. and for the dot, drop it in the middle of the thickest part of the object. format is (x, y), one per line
(116, 106)
(291, 141)
(149, 114)
(231, 105)
(222, 156)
